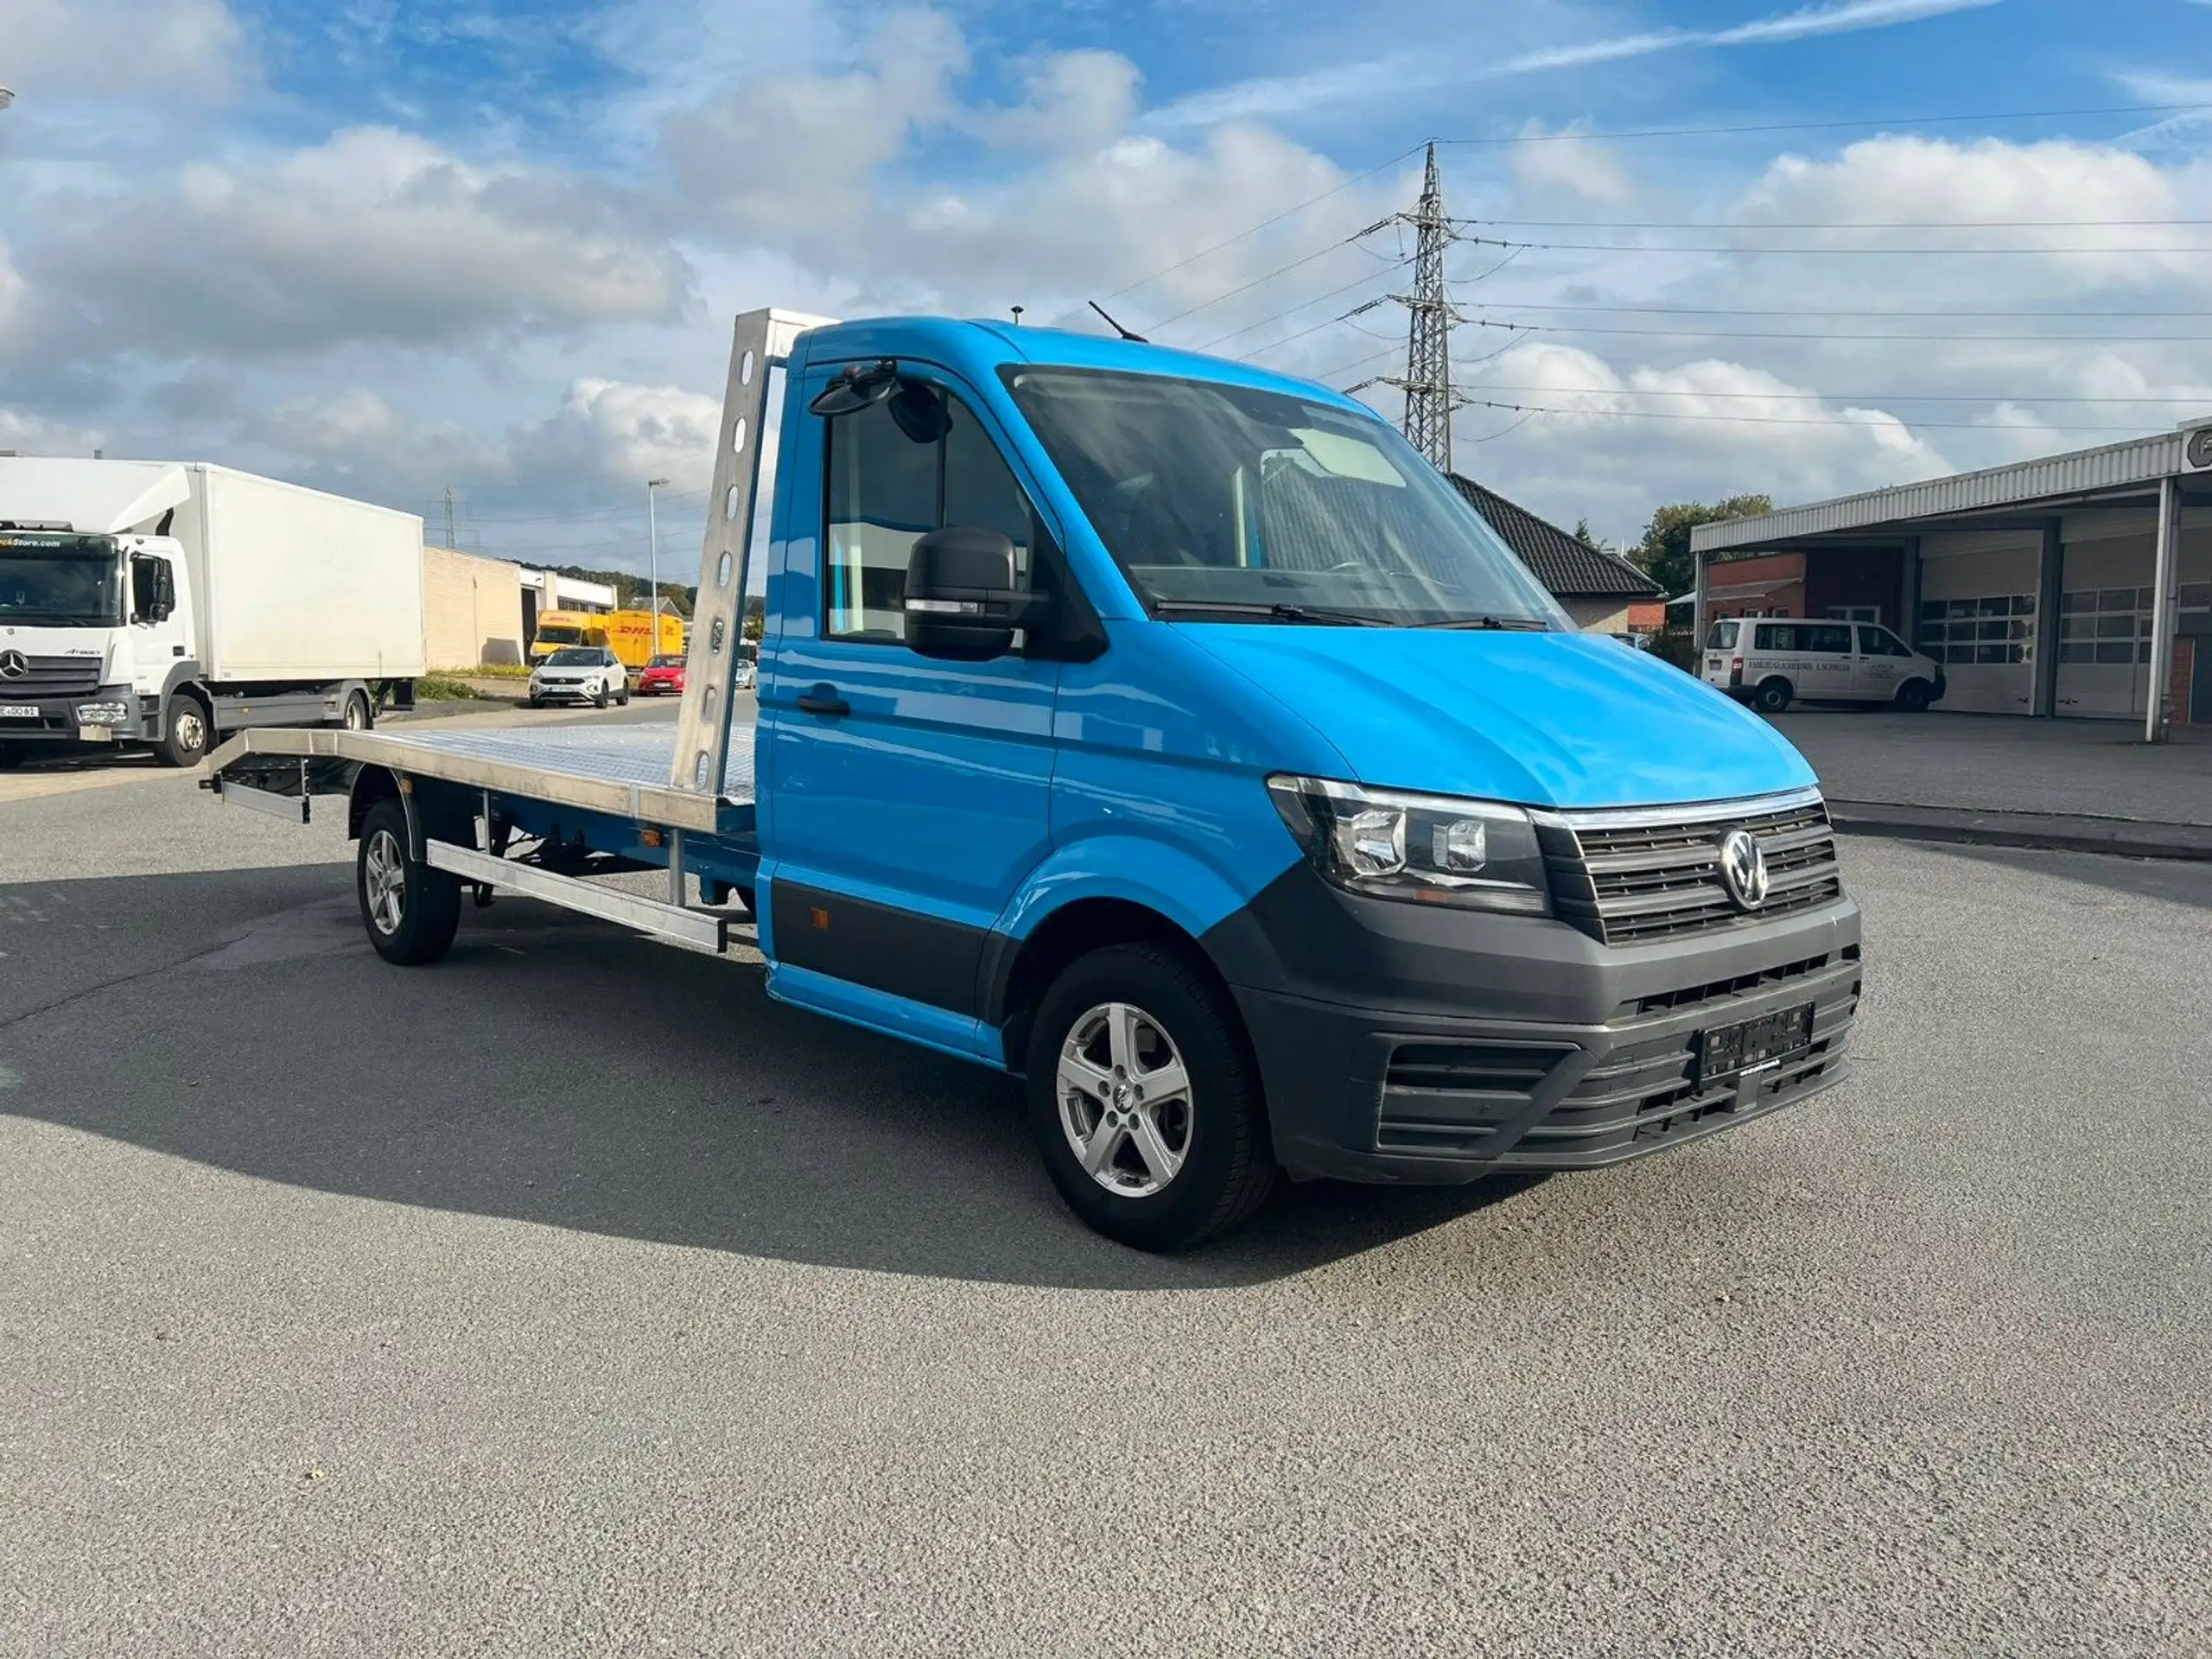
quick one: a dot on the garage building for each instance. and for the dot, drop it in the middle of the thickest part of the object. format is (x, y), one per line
(2078, 586)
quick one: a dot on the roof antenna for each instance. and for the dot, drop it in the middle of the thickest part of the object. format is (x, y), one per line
(1115, 326)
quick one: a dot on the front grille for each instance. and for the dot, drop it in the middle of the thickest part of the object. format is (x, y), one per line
(1450, 1097)
(51, 677)
(1630, 878)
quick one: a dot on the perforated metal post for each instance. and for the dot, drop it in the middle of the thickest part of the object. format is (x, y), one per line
(763, 340)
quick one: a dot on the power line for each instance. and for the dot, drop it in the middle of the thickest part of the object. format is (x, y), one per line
(1649, 247)
(1333, 293)
(1824, 333)
(1761, 420)
(1246, 288)
(1253, 230)
(1803, 311)
(1841, 225)
(1840, 396)
(1827, 126)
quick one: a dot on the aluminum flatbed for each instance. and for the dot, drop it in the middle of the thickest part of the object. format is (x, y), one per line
(621, 770)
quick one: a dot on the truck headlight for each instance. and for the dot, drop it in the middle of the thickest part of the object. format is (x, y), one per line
(1435, 849)
(104, 714)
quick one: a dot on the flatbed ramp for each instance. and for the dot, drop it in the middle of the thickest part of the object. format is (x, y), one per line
(620, 770)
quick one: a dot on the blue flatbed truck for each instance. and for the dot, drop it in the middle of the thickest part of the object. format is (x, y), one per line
(1171, 736)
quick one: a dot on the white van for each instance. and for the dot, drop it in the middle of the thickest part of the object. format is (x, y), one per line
(1771, 663)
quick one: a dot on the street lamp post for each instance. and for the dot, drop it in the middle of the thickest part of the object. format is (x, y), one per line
(652, 535)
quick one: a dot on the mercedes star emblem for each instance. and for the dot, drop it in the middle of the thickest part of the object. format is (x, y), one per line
(14, 665)
(1743, 868)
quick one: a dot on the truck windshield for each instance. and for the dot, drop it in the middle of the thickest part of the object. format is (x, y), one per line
(560, 635)
(59, 581)
(1228, 503)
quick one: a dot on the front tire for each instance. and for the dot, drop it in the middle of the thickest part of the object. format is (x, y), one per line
(599, 701)
(186, 734)
(1912, 697)
(411, 912)
(1145, 1101)
(1772, 696)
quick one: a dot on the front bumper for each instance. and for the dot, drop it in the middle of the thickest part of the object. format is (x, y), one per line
(56, 722)
(566, 692)
(1450, 1046)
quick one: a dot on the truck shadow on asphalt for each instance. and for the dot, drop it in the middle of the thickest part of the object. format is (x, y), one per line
(556, 1070)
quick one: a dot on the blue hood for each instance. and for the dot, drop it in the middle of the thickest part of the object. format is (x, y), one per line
(1561, 720)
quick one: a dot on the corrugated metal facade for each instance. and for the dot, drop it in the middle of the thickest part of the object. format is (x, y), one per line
(2141, 461)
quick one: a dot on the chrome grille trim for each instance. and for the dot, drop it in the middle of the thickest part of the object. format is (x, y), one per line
(1653, 872)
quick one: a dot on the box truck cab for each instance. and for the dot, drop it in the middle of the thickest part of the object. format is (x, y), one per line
(1169, 734)
(557, 630)
(160, 604)
(1772, 664)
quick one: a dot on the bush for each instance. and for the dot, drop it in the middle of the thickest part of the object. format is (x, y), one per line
(1676, 646)
(488, 672)
(443, 688)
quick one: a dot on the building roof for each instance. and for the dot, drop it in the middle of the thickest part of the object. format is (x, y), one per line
(2116, 466)
(1570, 569)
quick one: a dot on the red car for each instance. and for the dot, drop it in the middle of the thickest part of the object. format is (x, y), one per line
(663, 675)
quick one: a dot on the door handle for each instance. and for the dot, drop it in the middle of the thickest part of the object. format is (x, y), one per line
(824, 700)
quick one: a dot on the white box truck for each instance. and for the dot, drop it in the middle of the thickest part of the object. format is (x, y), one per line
(164, 603)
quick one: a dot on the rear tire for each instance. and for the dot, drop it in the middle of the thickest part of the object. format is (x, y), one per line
(1772, 696)
(1912, 697)
(1192, 1163)
(360, 714)
(187, 733)
(411, 912)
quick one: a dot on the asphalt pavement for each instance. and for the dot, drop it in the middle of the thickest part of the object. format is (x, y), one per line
(570, 1297)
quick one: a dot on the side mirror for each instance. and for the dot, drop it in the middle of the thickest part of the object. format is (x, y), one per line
(963, 603)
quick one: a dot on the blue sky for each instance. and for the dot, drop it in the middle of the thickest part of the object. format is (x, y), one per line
(389, 246)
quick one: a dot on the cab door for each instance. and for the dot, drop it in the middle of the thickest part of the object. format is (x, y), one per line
(1884, 664)
(904, 798)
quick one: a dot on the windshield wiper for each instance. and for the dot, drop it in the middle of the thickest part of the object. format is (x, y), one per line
(1278, 612)
(1499, 624)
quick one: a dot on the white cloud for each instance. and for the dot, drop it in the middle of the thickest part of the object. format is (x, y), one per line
(373, 236)
(1549, 164)
(611, 435)
(108, 48)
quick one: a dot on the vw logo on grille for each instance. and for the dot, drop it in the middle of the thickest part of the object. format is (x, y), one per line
(1743, 868)
(14, 665)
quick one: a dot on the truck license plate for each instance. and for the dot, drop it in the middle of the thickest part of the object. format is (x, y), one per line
(18, 711)
(1725, 1049)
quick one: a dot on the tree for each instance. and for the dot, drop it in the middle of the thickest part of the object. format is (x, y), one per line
(1582, 533)
(1665, 556)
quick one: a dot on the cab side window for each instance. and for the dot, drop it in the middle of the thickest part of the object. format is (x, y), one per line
(919, 461)
(1880, 642)
(1830, 639)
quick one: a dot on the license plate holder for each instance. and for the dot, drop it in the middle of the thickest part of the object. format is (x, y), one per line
(1725, 1051)
(19, 711)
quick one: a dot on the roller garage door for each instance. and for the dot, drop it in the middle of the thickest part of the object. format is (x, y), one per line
(1978, 602)
(2104, 628)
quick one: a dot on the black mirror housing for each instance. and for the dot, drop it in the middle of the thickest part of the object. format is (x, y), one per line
(964, 601)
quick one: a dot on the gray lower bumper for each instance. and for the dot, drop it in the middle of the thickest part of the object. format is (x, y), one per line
(1440, 1096)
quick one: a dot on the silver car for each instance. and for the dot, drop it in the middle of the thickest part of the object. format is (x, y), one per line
(590, 674)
